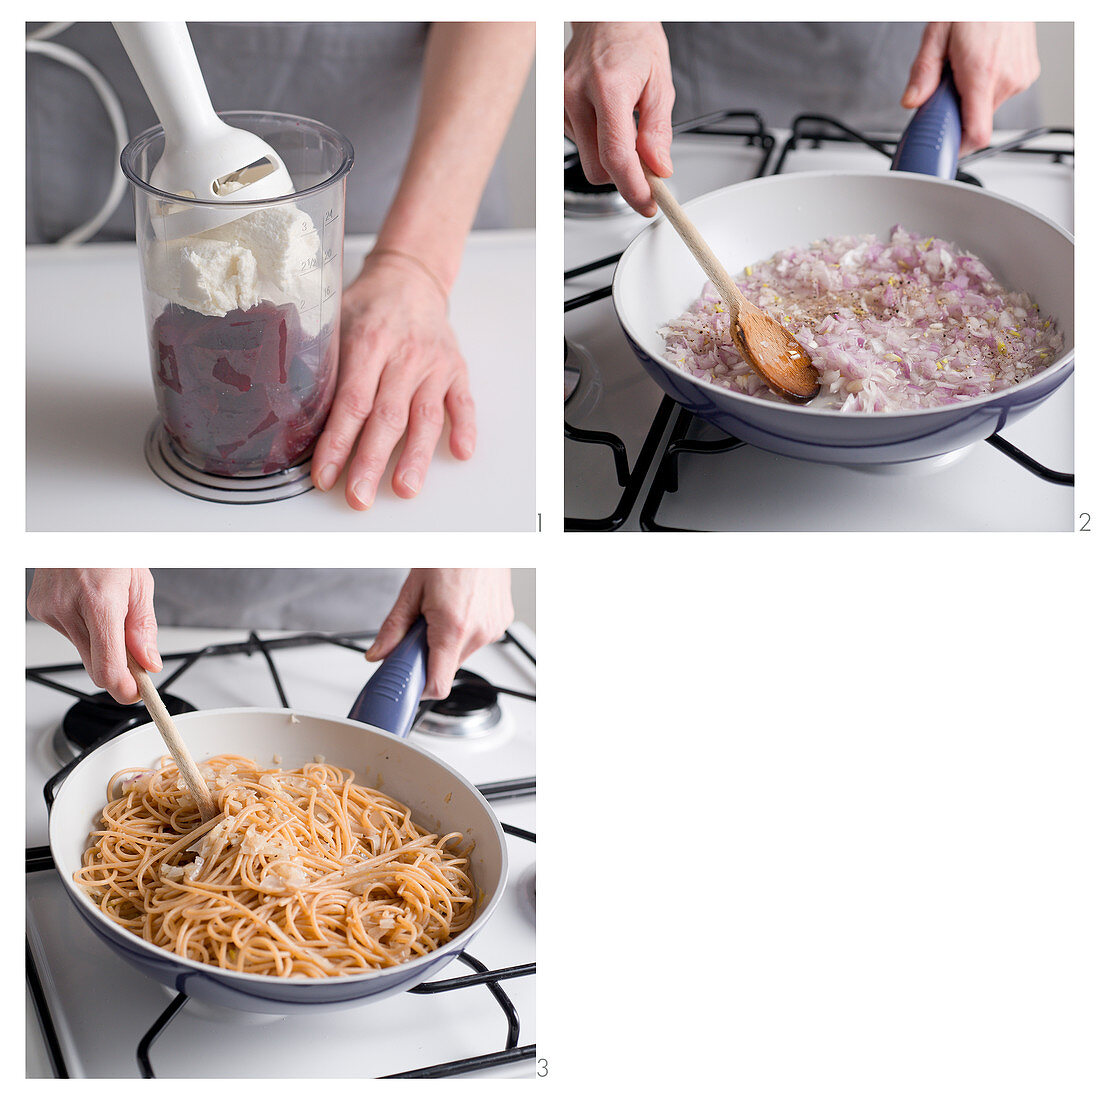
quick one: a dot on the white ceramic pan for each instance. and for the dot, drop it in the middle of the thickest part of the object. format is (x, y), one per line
(439, 798)
(657, 279)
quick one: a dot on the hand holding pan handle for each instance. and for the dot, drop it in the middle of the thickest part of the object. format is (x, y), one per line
(391, 695)
(931, 142)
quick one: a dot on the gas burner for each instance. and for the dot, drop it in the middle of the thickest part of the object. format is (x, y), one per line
(471, 709)
(583, 199)
(527, 887)
(167, 464)
(582, 380)
(97, 715)
(573, 372)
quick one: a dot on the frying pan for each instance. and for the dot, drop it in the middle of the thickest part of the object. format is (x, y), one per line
(440, 800)
(657, 279)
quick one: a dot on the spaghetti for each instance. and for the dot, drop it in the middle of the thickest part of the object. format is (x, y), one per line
(303, 873)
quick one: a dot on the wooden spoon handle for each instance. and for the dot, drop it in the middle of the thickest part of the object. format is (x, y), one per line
(179, 752)
(696, 244)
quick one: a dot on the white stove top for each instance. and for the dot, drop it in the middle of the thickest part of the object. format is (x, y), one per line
(101, 1008)
(752, 490)
(90, 404)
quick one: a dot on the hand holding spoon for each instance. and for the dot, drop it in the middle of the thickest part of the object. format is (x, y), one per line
(179, 752)
(767, 347)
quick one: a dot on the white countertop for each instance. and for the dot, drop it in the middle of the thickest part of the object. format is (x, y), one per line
(90, 404)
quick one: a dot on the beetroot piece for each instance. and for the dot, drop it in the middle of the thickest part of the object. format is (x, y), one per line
(244, 394)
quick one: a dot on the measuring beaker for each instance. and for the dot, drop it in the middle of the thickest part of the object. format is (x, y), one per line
(242, 301)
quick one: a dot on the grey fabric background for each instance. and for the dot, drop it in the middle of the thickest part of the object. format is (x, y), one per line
(274, 599)
(295, 599)
(360, 78)
(854, 71)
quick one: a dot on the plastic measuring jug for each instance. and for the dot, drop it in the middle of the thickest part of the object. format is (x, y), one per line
(243, 320)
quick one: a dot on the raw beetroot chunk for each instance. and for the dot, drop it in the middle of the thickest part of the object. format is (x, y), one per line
(244, 394)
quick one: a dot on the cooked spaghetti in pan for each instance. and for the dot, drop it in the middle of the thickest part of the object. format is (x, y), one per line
(303, 873)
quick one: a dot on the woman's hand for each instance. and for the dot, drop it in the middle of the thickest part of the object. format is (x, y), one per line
(464, 608)
(103, 612)
(990, 62)
(610, 71)
(399, 368)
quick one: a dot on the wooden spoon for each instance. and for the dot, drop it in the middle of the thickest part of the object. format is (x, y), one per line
(179, 752)
(773, 353)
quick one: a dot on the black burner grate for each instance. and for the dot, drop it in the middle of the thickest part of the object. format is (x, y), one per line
(91, 719)
(743, 126)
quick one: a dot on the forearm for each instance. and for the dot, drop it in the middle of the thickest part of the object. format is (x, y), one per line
(473, 74)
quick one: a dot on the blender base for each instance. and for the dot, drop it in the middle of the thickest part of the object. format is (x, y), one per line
(180, 475)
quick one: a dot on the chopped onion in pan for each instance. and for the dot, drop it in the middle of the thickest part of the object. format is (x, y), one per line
(906, 323)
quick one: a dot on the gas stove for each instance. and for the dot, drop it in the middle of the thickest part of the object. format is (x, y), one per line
(90, 1015)
(635, 460)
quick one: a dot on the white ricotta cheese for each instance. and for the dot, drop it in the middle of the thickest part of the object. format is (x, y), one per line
(271, 254)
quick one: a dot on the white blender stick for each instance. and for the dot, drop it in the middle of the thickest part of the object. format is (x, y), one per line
(203, 157)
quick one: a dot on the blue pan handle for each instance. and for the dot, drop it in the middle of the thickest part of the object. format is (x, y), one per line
(931, 142)
(391, 696)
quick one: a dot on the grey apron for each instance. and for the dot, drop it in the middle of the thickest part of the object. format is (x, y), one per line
(273, 599)
(361, 78)
(276, 599)
(854, 72)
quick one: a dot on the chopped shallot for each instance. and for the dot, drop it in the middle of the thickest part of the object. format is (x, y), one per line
(906, 323)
